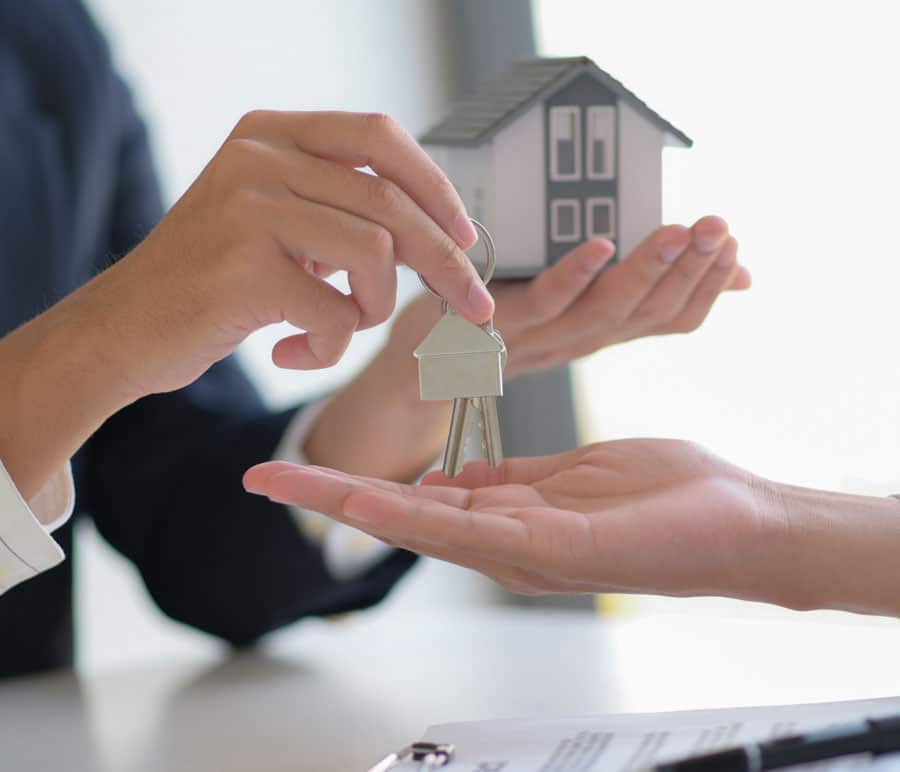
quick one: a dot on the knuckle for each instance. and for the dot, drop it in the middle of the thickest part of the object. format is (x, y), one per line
(250, 122)
(439, 181)
(330, 348)
(381, 125)
(346, 316)
(239, 154)
(381, 242)
(688, 271)
(384, 195)
(450, 260)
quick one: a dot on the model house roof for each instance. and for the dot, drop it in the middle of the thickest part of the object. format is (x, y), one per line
(481, 115)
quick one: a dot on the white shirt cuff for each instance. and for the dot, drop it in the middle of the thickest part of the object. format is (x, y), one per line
(346, 551)
(26, 547)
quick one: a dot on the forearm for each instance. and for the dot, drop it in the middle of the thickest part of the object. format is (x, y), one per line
(58, 382)
(842, 552)
(376, 428)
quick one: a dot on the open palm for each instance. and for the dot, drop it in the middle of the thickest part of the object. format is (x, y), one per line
(652, 516)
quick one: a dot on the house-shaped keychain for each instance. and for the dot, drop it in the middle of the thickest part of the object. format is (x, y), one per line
(460, 359)
(555, 152)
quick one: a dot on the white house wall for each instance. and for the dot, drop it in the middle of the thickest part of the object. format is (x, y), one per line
(518, 218)
(469, 169)
(640, 178)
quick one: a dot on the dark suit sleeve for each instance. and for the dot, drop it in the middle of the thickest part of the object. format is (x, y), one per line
(163, 483)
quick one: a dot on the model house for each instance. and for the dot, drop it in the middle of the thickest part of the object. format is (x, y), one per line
(555, 152)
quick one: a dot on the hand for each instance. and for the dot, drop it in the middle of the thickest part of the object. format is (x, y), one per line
(667, 284)
(635, 516)
(651, 516)
(281, 205)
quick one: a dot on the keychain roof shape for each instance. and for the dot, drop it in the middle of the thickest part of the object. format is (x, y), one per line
(554, 152)
(459, 359)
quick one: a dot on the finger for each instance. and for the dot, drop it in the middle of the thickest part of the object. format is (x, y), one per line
(303, 484)
(309, 231)
(424, 525)
(553, 291)
(343, 497)
(378, 142)
(716, 279)
(665, 301)
(398, 515)
(526, 470)
(742, 279)
(328, 316)
(412, 232)
(608, 303)
(625, 285)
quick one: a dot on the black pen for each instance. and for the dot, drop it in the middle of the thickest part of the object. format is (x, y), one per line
(871, 735)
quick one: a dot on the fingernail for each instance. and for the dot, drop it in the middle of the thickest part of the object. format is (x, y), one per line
(709, 242)
(593, 263)
(464, 231)
(668, 253)
(479, 300)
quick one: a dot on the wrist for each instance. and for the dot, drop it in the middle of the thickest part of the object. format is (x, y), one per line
(377, 426)
(840, 551)
(58, 384)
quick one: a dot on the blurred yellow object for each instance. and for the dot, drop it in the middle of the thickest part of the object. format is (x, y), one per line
(608, 605)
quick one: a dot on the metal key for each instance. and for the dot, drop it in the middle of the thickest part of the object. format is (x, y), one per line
(461, 361)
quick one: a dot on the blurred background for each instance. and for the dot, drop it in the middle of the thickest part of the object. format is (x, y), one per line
(793, 112)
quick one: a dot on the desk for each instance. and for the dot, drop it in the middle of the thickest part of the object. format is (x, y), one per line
(333, 695)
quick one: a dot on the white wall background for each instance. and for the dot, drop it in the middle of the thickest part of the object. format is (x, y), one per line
(794, 114)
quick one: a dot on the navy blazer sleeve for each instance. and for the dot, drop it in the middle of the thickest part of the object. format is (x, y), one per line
(162, 480)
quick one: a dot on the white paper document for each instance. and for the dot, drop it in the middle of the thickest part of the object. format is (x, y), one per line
(620, 742)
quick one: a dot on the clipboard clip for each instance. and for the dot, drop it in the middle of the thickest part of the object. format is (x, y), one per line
(429, 755)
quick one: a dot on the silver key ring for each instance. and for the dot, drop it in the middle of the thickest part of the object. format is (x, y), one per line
(490, 257)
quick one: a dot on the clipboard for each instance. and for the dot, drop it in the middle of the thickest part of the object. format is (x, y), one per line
(624, 742)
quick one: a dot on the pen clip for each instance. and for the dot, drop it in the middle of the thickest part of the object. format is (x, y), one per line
(429, 755)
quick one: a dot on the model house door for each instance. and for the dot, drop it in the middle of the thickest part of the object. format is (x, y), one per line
(581, 175)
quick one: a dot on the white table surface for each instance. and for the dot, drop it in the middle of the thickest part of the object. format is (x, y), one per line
(335, 695)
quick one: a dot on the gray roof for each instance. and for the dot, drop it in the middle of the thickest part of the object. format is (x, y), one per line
(478, 117)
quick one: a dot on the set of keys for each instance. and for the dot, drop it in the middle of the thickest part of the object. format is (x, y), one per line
(464, 362)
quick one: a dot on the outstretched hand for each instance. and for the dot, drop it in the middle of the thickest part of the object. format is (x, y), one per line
(645, 516)
(668, 284)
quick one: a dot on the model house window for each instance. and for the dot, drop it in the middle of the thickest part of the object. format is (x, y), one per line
(601, 143)
(565, 220)
(600, 217)
(565, 143)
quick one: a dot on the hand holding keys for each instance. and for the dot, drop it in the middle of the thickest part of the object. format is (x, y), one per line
(464, 362)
